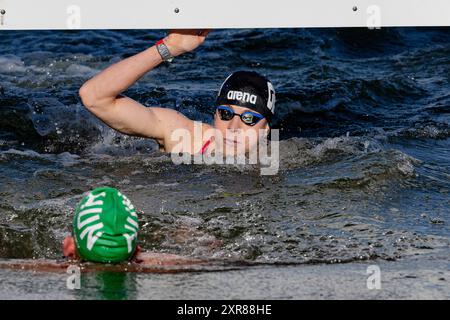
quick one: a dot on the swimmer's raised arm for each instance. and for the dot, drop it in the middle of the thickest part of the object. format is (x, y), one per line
(101, 94)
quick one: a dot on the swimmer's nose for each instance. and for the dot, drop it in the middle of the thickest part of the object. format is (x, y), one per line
(235, 123)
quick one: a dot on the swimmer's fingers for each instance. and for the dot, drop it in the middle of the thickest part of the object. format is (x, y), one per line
(180, 41)
(203, 32)
(197, 32)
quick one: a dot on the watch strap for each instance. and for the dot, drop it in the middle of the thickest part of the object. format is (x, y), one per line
(164, 51)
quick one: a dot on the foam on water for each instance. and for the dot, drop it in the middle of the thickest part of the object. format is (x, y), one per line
(11, 64)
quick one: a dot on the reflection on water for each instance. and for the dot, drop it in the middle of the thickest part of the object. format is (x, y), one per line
(105, 285)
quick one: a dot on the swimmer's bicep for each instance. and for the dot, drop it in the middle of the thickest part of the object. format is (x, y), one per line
(131, 117)
(128, 116)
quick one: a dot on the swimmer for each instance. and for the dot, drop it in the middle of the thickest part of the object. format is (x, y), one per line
(105, 234)
(244, 106)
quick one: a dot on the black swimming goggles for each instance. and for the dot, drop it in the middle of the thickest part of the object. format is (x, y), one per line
(248, 117)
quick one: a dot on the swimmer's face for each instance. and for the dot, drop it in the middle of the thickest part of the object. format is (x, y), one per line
(235, 131)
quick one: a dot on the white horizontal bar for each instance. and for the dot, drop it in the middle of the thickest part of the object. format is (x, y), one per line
(152, 14)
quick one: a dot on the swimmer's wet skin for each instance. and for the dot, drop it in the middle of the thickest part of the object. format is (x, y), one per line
(245, 102)
(105, 232)
(148, 263)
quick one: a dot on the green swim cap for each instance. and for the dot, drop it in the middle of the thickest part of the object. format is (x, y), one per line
(105, 226)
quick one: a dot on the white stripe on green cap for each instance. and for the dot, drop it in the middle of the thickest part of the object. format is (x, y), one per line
(105, 226)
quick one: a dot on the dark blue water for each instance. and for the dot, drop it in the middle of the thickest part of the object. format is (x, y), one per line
(364, 118)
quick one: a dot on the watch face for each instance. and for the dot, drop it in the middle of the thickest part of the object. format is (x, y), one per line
(164, 52)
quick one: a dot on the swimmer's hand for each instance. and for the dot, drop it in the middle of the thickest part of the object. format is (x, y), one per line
(180, 41)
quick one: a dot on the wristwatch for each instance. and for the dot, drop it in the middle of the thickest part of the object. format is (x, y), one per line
(164, 51)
